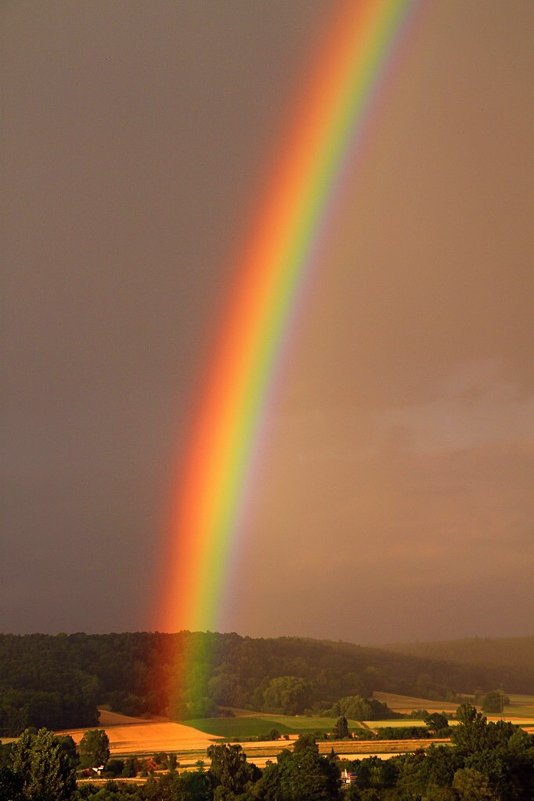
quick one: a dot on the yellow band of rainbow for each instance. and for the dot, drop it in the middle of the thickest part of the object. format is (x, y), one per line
(276, 258)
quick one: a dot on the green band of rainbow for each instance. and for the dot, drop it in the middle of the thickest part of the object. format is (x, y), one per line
(277, 256)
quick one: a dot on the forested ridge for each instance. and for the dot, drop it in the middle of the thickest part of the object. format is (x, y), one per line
(58, 681)
(514, 655)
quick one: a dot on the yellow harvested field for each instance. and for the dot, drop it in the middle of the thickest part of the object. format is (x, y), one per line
(525, 723)
(260, 753)
(147, 738)
(522, 705)
(107, 718)
(406, 703)
(367, 748)
(129, 735)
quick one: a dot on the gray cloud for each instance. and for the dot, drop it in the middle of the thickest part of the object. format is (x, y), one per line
(393, 496)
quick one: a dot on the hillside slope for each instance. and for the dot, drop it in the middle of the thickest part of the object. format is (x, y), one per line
(57, 681)
(511, 657)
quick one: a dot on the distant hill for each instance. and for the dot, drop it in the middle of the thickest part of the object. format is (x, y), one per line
(58, 681)
(510, 657)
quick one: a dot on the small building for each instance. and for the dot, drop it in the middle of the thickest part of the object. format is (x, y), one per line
(347, 778)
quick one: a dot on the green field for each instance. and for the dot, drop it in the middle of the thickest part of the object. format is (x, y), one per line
(521, 706)
(300, 723)
(242, 727)
(245, 726)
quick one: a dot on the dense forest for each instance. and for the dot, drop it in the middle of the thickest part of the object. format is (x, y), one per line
(486, 762)
(58, 681)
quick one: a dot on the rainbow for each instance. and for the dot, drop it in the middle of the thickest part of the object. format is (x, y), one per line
(326, 130)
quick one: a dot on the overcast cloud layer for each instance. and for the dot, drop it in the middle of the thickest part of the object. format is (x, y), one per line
(394, 497)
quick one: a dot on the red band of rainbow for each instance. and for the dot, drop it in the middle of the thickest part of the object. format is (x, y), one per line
(276, 260)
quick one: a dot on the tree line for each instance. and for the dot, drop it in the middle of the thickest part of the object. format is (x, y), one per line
(486, 762)
(58, 681)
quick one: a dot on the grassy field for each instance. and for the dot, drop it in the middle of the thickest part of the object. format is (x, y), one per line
(520, 706)
(520, 710)
(252, 726)
(237, 727)
(191, 739)
(407, 703)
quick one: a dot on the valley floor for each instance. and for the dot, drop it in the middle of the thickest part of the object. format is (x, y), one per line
(138, 736)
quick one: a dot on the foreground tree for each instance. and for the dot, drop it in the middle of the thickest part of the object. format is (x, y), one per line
(230, 771)
(303, 775)
(69, 746)
(10, 785)
(472, 785)
(471, 734)
(43, 767)
(94, 749)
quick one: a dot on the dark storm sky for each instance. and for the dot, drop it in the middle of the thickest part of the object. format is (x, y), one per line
(394, 498)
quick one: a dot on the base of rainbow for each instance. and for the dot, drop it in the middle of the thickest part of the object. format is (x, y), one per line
(277, 257)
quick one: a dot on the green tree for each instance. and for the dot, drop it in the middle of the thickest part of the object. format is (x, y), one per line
(288, 695)
(305, 742)
(440, 764)
(440, 794)
(43, 767)
(472, 785)
(358, 708)
(471, 733)
(230, 771)
(494, 701)
(374, 772)
(69, 746)
(341, 729)
(115, 767)
(301, 776)
(5, 754)
(436, 721)
(191, 786)
(161, 758)
(508, 766)
(130, 768)
(268, 787)
(422, 773)
(94, 749)
(10, 785)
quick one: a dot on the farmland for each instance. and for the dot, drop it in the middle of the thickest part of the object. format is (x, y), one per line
(130, 735)
(407, 703)
(245, 726)
(149, 737)
(190, 744)
(520, 710)
(520, 706)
